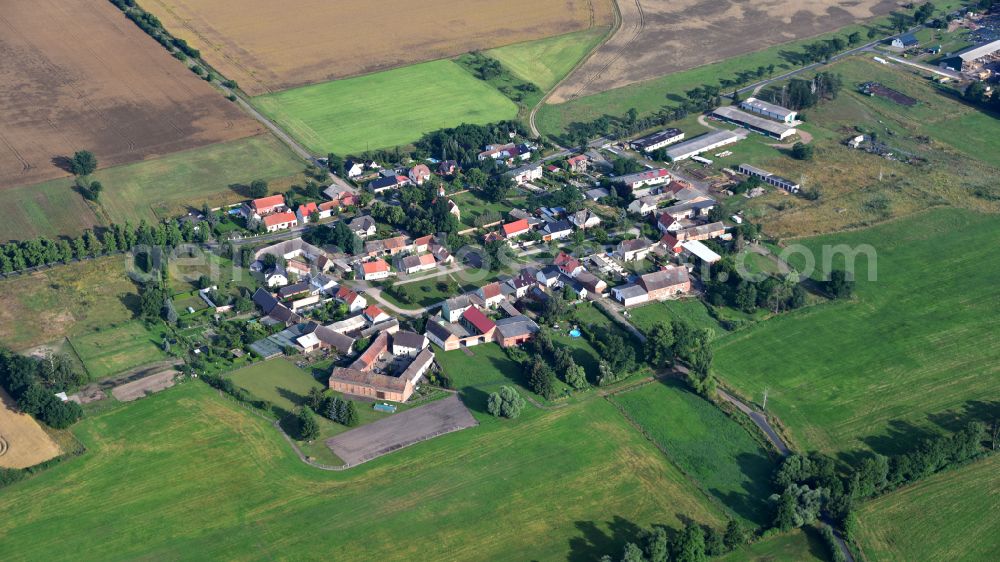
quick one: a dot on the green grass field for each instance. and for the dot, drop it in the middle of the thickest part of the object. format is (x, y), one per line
(800, 545)
(277, 381)
(46, 209)
(114, 350)
(473, 206)
(483, 371)
(949, 516)
(385, 109)
(70, 300)
(547, 61)
(152, 189)
(712, 449)
(878, 371)
(692, 311)
(571, 483)
(171, 185)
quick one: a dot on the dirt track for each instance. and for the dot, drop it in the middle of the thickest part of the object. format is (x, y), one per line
(270, 46)
(659, 37)
(139, 388)
(401, 430)
(76, 74)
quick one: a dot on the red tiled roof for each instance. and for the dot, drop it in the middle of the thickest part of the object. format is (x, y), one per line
(423, 240)
(329, 205)
(427, 259)
(670, 241)
(562, 258)
(308, 209)
(377, 266)
(279, 218)
(267, 203)
(373, 311)
(478, 320)
(491, 290)
(420, 170)
(515, 228)
(577, 158)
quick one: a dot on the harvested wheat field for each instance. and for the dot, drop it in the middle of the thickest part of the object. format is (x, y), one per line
(271, 46)
(76, 74)
(23, 442)
(659, 37)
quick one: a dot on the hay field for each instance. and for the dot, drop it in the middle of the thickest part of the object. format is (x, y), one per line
(272, 46)
(659, 37)
(23, 442)
(949, 516)
(78, 75)
(385, 109)
(545, 62)
(914, 353)
(572, 483)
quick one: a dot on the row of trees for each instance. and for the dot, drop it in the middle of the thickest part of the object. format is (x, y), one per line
(695, 543)
(813, 484)
(32, 383)
(17, 256)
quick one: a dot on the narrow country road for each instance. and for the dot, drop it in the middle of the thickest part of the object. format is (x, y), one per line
(760, 420)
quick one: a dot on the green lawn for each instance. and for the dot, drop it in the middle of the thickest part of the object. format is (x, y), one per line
(69, 300)
(691, 311)
(186, 270)
(546, 61)
(715, 451)
(278, 381)
(46, 209)
(800, 545)
(949, 516)
(385, 109)
(483, 370)
(114, 350)
(571, 483)
(877, 371)
(473, 206)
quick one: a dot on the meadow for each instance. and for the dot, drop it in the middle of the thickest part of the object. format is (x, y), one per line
(385, 109)
(113, 350)
(909, 354)
(66, 300)
(692, 311)
(715, 451)
(545, 62)
(268, 48)
(153, 189)
(800, 545)
(949, 516)
(569, 483)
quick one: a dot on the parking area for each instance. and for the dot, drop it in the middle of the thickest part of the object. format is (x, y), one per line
(401, 430)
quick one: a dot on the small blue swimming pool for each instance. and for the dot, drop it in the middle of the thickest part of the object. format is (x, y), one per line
(575, 333)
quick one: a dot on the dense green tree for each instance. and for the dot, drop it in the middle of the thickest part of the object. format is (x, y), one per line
(258, 189)
(659, 345)
(802, 151)
(83, 163)
(308, 427)
(505, 403)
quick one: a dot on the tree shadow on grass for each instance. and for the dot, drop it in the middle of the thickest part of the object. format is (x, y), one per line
(64, 163)
(293, 397)
(987, 411)
(594, 542)
(474, 398)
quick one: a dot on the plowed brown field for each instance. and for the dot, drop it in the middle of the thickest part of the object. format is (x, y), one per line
(268, 46)
(659, 37)
(76, 74)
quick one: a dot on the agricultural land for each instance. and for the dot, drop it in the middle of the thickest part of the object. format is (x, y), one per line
(385, 109)
(267, 47)
(716, 452)
(23, 442)
(78, 75)
(604, 479)
(948, 516)
(904, 358)
(696, 32)
(153, 190)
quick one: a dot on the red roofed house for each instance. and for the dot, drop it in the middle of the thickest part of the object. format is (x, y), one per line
(374, 314)
(421, 244)
(477, 322)
(665, 283)
(515, 229)
(568, 264)
(280, 221)
(490, 293)
(374, 270)
(354, 301)
(327, 208)
(419, 174)
(267, 205)
(667, 223)
(304, 211)
(578, 163)
(670, 242)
